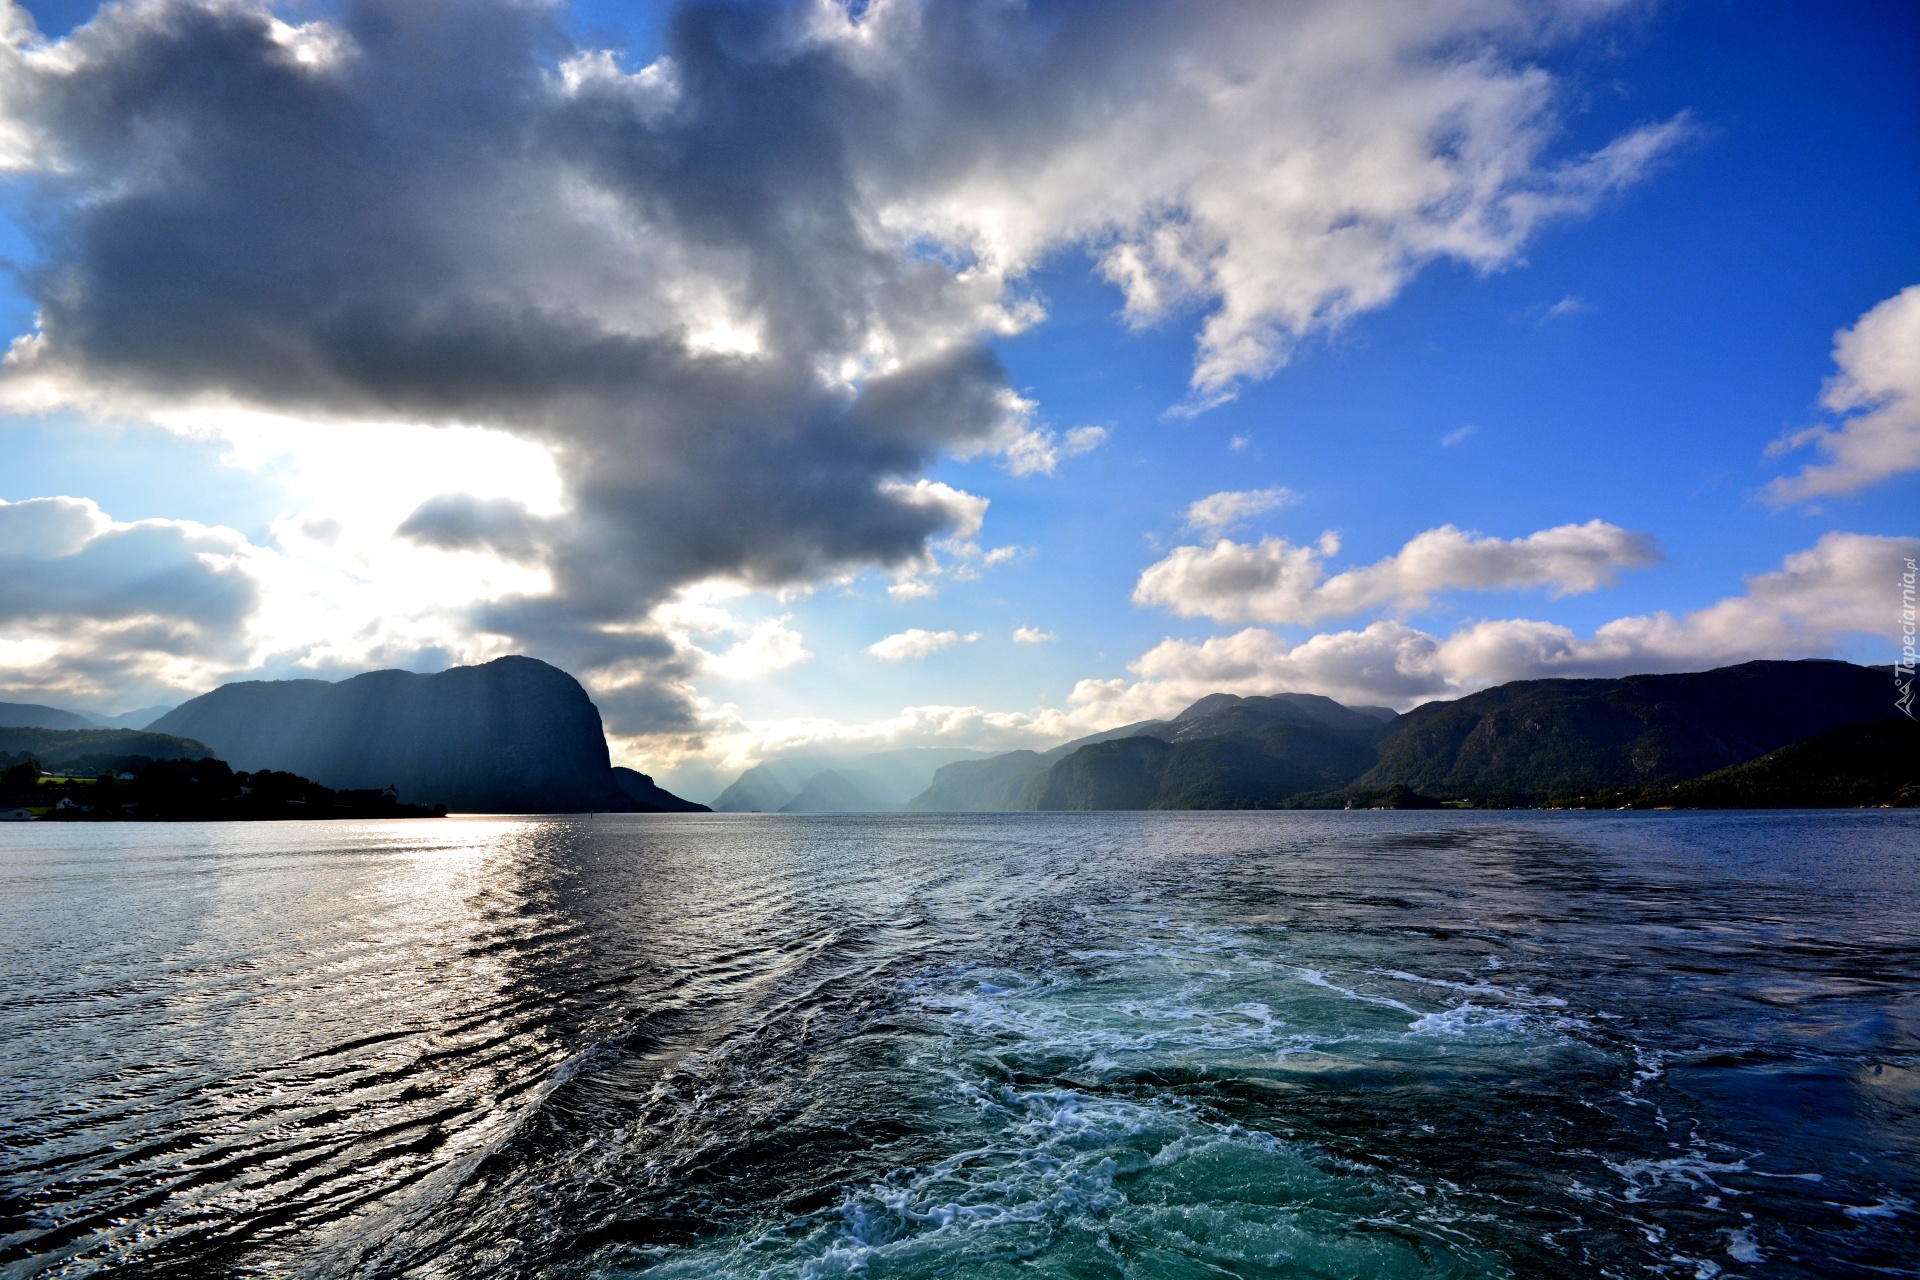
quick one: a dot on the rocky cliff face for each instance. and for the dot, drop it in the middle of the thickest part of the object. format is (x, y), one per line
(513, 736)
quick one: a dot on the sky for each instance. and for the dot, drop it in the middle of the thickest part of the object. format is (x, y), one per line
(908, 373)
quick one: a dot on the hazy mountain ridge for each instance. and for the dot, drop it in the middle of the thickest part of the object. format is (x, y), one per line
(876, 781)
(829, 792)
(1525, 742)
(32, 715)
(94, 748)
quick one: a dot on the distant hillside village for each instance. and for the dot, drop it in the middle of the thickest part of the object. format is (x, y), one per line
(519, 736)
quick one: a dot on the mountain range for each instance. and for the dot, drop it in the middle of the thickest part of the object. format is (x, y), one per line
(838, 782)
(1523, 743)
(31, 715)
(519, 736)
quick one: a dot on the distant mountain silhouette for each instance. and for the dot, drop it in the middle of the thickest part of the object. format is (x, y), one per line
(1007, 783)
(139, 719)
(884, 779)
(1523, 743)
(31, 715)
(512, 736)
(828, 792)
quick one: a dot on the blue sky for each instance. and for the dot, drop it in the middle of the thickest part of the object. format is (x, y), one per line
(1629, 359)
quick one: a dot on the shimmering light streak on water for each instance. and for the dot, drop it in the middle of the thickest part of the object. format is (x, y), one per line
(1064, 1045)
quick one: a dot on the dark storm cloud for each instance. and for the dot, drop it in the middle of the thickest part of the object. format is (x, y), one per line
(421, 222)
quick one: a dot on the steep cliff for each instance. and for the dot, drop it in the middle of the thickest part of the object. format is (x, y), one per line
(512, 736)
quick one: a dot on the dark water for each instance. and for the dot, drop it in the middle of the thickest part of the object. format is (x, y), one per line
(1173, 1045)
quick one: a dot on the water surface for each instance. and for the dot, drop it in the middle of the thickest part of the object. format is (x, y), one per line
(1157, 1045)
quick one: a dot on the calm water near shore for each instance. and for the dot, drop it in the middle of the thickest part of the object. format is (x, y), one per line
(1061, 1045)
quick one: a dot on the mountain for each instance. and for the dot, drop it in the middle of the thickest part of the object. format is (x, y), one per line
(512, 736)
(1876, 764)
(1520, 743)
(1223, 752)
(31, 715)
(1534, 739)
(89, 750)
(1007, 783)
(648, 796)
(885, 779)
(768, 786)
(130, 719)
(828, 792)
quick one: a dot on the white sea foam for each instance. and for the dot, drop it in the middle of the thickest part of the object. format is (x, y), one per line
(1885, 1207)
(1741, 1246)
(1464, 1019)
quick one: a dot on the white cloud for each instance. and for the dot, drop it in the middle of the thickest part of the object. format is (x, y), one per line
(1278, 582)
(1838, 587)
(1033, 635)
(1567, 306)
(1083, 440)
(1218, 512)
(964, 512)
(758, 649)
(916, 643)
(1879, 386)
(912, 589)
(98, 612)
(1457, 435)
(1030, 449)
(964, 561)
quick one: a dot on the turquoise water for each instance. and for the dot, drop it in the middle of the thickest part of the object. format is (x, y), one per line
(1301, 1045)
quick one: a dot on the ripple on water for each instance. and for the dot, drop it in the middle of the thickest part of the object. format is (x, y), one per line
(1077, 1045)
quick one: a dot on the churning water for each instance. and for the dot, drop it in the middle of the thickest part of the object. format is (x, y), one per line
(1159, 1045)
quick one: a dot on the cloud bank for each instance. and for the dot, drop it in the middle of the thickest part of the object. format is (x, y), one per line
(93, 609)
(1839, 586)
(1278, 582)
(742, 295)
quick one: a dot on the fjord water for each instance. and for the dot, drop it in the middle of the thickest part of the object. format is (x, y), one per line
(1167, 1045)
